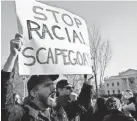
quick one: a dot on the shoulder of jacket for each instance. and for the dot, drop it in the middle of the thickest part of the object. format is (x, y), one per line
(31, 111)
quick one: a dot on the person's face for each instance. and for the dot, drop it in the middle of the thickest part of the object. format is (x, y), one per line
(111, 105)
(115, 104)
(45, 92)
(65, 91)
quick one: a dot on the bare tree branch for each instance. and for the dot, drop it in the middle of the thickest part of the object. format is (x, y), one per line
(101, 54)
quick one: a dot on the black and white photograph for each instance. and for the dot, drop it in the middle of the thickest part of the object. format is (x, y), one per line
(68, 60)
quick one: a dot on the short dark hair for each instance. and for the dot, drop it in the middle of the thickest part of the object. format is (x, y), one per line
(114, 103)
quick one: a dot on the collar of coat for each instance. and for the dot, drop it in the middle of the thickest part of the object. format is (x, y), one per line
(36, 105)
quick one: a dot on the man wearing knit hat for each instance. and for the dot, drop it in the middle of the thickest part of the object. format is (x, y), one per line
(40, 89)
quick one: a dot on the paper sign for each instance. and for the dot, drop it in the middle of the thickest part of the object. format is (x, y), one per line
(55, 41)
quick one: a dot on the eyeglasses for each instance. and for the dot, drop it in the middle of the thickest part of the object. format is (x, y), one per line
(69, 88)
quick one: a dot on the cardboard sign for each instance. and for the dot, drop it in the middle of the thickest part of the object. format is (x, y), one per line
(55, 41)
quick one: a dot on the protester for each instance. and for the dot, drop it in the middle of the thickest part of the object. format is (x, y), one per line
(125, 96)
(101, 110)
(41, 105)
(40, 89)
(131, 108)
(71, 102)
(115, 113)
(63, 88)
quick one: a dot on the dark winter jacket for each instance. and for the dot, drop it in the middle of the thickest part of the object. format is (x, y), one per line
(99, 115)
(116, 115)
(87, 116)
(76, 111)
(101, 110)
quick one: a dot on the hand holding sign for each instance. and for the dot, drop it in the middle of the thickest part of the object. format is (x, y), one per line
(15, 45)
(88, 81)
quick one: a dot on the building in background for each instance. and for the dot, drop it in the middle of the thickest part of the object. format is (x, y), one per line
(112, 85)
(125, 80)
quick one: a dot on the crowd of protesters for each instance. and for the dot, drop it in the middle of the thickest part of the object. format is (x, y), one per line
(49, 102)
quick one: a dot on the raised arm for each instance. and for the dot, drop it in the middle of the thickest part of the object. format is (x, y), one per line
(7, 73)
(83, 103)
(15, 47)
(86, 94)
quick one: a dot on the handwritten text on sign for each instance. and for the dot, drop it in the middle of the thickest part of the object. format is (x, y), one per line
(55, 40)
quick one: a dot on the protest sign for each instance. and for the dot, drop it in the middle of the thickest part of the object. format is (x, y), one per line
(55, 41)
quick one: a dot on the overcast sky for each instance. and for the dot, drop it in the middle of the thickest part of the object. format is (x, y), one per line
(117, 22)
